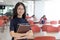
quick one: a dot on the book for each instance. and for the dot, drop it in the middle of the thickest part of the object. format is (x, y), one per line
(23, 28)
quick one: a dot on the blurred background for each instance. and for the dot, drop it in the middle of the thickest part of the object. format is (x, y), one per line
(38, 8)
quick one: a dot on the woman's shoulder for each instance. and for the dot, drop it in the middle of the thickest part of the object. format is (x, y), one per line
(12, 20)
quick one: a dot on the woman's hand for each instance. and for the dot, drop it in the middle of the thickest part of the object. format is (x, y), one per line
(20, 36)
(29, 34)
(17, 35)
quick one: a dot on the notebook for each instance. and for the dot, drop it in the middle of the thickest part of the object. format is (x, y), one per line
(23, 28)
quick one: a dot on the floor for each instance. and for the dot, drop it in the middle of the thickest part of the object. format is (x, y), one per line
(5, 35)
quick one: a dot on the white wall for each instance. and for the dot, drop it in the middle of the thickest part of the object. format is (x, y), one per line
(52, 9)
(30, 7)
(39, 9)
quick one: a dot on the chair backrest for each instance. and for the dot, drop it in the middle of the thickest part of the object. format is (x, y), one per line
(53, 22)
(27, 17)
(59, 28)
(1, 23)
(45, 38)
(59, 22)
(31, 22)
(44, 27)
(52, 29)
(35, 28)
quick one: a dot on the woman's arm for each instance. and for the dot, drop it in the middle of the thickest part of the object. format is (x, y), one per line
(17, 35)
(30, 34)
(13, 34)
(12, 27)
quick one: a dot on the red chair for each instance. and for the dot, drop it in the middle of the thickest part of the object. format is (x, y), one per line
(59, 22)
(59, 28)
(35, 28)
(47, 23)
(49, 28)
(1, 18)
(45, 38)
(52, 29)
(31, 22)
(27, 17)
(53, 22)
(1, 23)
(44, 27)
(5, 18)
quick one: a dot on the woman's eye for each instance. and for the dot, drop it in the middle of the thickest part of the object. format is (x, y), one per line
(20, 9)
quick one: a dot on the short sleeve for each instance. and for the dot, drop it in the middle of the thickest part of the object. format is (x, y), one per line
(11, 25)
(27, 23)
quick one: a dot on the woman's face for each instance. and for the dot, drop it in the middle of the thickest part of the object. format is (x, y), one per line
(20, 10)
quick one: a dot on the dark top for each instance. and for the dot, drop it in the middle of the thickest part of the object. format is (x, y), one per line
(14, 22)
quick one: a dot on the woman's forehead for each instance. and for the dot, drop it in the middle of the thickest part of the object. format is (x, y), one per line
(20, 6)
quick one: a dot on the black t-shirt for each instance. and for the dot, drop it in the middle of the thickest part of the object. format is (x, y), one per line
(14, 22)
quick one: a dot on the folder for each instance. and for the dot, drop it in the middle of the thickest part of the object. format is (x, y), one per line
(23, 28)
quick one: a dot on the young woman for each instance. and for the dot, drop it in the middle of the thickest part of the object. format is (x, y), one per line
(19, 13)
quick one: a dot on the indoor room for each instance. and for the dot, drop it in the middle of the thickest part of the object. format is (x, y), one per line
(40, 17)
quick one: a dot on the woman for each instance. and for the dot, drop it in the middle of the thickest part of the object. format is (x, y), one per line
(19, 13)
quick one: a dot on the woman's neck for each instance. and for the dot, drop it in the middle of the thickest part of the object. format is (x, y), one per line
(19, 16)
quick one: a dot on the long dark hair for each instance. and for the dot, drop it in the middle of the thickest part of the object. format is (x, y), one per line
(15, 10)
